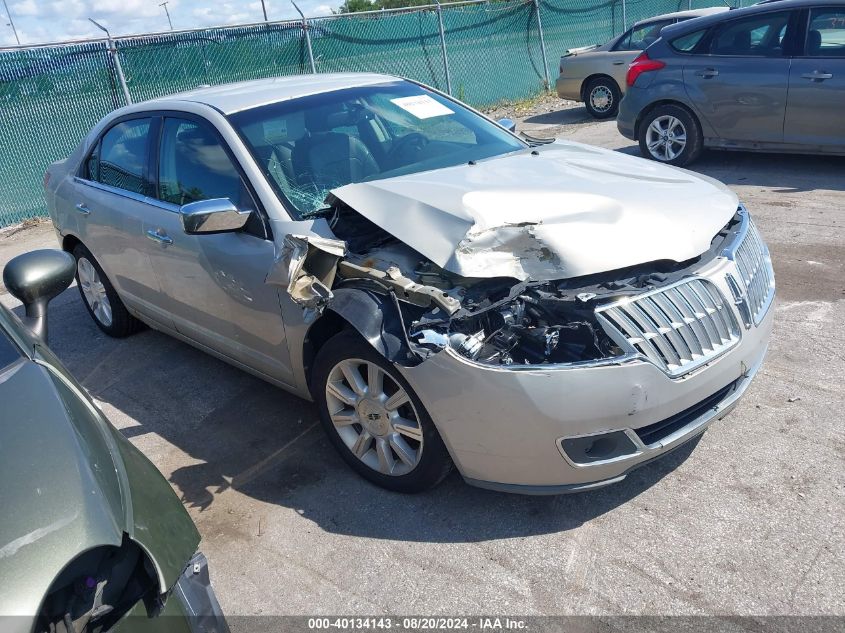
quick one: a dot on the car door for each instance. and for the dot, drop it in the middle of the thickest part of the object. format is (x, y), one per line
(814, 109)
(111, 194)
(214, 283)
(632, 43)
(739, 79)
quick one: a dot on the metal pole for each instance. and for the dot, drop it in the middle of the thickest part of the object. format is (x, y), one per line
(264, 9)
(167, 13)
(542, 45)
(113, 51)
(624, 16)
(443, 48)
(307, 38)
(12, 23)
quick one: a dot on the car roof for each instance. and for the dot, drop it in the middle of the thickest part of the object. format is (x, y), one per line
(234, 97)
(688, 14)
(682, 28)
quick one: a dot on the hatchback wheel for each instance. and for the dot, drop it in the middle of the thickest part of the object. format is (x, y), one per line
(374, 419)
(670, 134)
(602, 97)
(100, 297)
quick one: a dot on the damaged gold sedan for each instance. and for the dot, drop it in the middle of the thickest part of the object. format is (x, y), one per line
(545, 316)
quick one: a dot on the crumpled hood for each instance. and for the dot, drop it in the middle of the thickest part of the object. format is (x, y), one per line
(564, 210)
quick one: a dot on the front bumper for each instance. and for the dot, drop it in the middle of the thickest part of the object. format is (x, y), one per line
(194, 592)
(504, 427)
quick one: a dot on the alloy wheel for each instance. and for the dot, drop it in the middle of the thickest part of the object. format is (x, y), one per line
(94, 291)
(666, 138)
(374, 417)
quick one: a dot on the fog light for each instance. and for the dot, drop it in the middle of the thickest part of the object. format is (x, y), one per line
(590, 449)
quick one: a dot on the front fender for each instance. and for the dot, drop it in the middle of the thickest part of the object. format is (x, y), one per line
(377, 318)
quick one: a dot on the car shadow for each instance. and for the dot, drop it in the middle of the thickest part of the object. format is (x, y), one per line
(566, 116)
(223, 428)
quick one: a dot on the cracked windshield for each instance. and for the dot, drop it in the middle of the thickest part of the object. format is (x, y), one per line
(309, 146)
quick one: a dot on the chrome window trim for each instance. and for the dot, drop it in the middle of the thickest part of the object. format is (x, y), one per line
(131, 195)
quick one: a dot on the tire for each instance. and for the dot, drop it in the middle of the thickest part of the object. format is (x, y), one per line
(396, 424)
(602, 97)
(671, 121)
(100, 297)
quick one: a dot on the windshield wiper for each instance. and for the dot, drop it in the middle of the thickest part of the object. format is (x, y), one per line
(535, 141)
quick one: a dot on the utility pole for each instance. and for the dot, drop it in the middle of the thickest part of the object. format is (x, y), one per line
(263, 9)
(12, 23)
(167, 13)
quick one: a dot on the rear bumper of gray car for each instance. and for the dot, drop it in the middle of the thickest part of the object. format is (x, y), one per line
(632, 104)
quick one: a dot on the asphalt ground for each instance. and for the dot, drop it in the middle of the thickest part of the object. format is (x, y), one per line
(747, 521)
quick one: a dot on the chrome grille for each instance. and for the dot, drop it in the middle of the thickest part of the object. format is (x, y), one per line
(756, 277)
(678, 328)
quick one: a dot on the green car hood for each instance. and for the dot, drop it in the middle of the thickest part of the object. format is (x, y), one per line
(70, 483)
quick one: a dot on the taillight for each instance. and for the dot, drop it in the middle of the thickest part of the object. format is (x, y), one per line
(642, 64)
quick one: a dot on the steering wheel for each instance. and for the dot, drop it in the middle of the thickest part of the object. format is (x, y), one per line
(413, 140)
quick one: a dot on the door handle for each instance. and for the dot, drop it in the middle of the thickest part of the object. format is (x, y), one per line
(83, 209)
(161, 238)
(817, 75)
(618, 62)
(707, 73)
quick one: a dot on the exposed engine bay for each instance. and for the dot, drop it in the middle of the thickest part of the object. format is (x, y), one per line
(496, 321)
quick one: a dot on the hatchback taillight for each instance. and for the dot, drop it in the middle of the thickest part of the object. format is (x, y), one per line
(642, 64)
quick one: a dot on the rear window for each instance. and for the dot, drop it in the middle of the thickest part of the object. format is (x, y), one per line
(120, 158)
(757, 36)
(687, 43)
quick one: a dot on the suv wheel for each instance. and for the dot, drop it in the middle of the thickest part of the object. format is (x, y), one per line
(602, 97)
(100, 297)
(374, 419)
(670, 134)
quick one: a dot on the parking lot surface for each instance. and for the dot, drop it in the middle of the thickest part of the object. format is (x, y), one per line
(748, 520)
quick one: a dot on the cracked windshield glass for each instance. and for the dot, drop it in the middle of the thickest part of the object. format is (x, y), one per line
(308, 146)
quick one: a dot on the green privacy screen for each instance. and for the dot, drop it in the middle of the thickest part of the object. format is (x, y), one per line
(50, 96)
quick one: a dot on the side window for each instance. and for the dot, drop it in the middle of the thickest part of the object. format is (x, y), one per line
(826, 36)
(687, 43)
(643, 36)
(122, 157)
(194, 166)
(758, 36)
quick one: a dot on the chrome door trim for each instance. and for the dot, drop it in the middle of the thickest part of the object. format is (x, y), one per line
(131, 195)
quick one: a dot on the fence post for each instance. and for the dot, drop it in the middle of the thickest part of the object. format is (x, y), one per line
(443, 48)
(624, 16)
(307, 38)
(116, 58)
(546, 80)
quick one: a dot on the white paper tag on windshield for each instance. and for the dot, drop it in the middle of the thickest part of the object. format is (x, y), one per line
(422, 106)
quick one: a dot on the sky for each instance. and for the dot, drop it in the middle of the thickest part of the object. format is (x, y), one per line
(39, 21)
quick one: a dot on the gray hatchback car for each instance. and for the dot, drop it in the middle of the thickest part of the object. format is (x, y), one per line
(767, 78)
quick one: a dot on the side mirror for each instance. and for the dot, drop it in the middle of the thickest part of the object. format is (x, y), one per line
(212, 216)
(34, 279)
(508, 124)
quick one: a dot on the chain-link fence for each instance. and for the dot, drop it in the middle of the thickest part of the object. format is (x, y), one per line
(481, 52)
